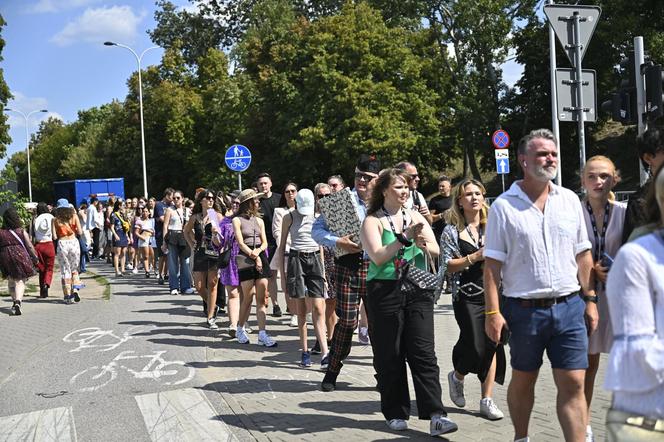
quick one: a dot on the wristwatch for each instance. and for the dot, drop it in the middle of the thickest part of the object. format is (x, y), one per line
(589, 298)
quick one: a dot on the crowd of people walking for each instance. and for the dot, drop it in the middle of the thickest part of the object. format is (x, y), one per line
(541, 270)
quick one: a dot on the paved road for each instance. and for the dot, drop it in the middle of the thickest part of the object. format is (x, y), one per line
(142, 367)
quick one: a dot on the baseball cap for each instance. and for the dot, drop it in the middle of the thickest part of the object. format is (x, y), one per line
(305, 202)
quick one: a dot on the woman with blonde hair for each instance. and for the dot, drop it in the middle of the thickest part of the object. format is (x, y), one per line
(65, 228)
(462, 256)
(605, 219)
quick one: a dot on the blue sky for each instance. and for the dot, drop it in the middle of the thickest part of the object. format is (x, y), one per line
(55, 59)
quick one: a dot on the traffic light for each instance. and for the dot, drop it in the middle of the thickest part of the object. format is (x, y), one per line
(654, 78)
(623, 103)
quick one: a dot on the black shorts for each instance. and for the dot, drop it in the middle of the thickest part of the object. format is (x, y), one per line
(305, 275)
(251, 274)
(203, 263)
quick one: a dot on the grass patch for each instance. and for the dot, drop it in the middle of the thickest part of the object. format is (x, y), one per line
(103, 282)
(29, 288)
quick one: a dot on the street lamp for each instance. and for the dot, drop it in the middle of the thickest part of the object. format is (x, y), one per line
(27, 142)
(140, 105)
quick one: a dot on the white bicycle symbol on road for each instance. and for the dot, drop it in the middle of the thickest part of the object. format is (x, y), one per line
(104, 340)
(157, 369)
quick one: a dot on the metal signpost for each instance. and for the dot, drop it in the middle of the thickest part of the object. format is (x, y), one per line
(501, 141)
(238, 159)
(574, 25)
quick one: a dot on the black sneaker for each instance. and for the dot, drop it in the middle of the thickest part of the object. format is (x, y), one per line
(16, 308)
(161, 279)
(76, 297)
(329, 381)
(316, 348)
(276, 311)
(43, 292)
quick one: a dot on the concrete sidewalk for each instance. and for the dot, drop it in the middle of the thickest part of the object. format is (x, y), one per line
(278, 400)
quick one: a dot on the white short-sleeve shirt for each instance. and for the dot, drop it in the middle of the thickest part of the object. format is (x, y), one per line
(538, 249)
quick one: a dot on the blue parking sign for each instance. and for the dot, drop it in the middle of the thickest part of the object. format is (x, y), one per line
(238, 158)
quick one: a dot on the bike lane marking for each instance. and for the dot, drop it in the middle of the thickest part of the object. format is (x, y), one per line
(54, 424)
(182, 415)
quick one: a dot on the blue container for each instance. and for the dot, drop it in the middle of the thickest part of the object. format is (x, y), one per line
(77, 191)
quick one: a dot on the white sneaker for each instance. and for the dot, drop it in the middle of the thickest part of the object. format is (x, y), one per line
(293, 321)
(212, 324)
(441, 425)
(589, 434)
(397, 424)
(456, 390)
(190, 291)
(248, 330)
(241, 336)
(135, 271)
(490, 410)
(266, 340)
(129, 266)
(174, 292)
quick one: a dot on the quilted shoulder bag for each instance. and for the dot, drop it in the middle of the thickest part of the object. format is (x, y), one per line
(416, 282)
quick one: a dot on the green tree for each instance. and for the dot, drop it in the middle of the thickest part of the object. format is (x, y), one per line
(5, 95)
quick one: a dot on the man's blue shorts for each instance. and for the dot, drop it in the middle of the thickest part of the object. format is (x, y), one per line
(559, 329)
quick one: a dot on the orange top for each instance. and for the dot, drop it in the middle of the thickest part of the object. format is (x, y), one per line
(63, 230)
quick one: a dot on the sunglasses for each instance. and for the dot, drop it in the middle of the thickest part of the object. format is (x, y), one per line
(323, 195)
(413, 175)
(364, 176)
(209, 197)
(178, 198)
(290, 191)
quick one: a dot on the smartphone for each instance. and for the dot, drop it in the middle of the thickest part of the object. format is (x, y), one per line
(606, 260)
(504, 335)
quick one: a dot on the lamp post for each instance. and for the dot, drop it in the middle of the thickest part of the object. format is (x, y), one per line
(27, 141)
(140, 105)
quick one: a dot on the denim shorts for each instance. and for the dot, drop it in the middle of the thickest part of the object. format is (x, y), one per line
(559, 329)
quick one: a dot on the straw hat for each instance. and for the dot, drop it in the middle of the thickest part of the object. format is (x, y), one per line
(249, 194)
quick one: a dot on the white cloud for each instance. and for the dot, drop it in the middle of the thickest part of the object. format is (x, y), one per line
(116, 23)
(28, 104)
(45, 6)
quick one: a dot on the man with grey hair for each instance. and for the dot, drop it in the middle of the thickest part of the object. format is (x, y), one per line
(537, 244)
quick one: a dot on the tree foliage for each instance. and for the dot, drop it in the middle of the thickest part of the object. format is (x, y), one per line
(308, 85)
(5, 95)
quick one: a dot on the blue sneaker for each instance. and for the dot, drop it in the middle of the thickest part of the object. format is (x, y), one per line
(306, 359)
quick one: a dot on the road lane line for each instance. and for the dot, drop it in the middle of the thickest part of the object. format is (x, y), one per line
(182, 415)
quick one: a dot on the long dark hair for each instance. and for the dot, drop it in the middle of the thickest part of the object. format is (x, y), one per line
(11, 220)
(384, 180)
(248, 209)
(42, 208)
(282, 200)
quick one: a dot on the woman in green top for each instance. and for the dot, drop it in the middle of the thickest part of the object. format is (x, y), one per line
(401, 328)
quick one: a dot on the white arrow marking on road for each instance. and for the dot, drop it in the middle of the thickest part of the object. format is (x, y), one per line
(502, 166)
(182, 415)
(54, 424)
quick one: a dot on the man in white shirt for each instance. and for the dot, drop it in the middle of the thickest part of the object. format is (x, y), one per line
(416, 200)
(537, 244)
(94, 223)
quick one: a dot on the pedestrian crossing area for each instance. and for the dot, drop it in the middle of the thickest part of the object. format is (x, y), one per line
(177, 415)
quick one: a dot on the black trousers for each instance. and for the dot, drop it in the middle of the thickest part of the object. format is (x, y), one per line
(402, 330)
(95, 242)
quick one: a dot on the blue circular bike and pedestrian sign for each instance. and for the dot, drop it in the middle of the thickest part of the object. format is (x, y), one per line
(238, 158)
(500, 139)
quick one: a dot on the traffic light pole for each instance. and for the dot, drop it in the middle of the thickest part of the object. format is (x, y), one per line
(639, 60)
